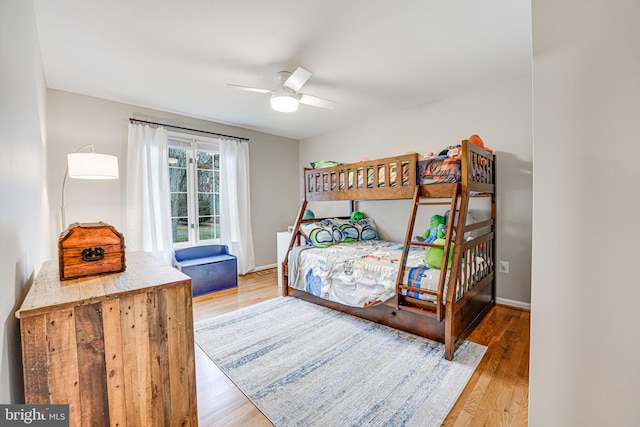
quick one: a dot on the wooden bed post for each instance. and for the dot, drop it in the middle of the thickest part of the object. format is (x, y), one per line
(294, 236)
(456, 268)
(460, 215)
(440, 313)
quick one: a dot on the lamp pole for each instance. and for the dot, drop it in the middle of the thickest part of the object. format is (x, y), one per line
(64, 183)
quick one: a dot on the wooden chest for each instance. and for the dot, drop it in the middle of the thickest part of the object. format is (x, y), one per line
(90, 249)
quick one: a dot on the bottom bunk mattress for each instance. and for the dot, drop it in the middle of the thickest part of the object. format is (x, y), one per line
(359, 274)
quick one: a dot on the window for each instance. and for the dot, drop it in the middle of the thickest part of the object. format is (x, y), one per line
(194, 174)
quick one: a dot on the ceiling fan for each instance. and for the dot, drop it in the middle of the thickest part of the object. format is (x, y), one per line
(286, 97)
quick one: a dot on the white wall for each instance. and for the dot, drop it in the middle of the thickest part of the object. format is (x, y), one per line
(501, 115)
(23, 220)
(76, 120)
(584, 325)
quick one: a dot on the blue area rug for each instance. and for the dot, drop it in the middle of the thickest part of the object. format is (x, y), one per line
(306, 365)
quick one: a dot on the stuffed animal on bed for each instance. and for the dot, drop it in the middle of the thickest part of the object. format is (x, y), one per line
(435, 230)
(356, 216)
(476, 140)
(450, 151)
(433, 256)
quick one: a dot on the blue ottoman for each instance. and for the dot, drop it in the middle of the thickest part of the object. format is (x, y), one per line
(211, 267)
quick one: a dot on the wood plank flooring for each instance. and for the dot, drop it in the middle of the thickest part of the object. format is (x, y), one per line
(497, 394)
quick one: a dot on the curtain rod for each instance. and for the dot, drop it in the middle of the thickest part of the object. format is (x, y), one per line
(131, 119)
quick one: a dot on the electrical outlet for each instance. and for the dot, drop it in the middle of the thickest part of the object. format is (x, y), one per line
(503, 266)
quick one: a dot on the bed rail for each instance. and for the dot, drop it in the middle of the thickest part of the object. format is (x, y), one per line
(380, 179)
(478, 169)
(475, 265)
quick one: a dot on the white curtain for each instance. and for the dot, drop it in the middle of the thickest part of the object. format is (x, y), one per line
(235, 209)
(148, 219)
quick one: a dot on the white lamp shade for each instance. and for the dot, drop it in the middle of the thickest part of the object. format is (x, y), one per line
(92, 166)
(284, 103)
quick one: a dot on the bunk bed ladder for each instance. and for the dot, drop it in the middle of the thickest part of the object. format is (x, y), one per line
(405, 247)
(437, 310)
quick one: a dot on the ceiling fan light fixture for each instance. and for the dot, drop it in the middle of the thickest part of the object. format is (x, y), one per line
(284, 102)
(287, 97)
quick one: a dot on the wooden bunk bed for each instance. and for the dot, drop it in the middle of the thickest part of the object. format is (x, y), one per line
(464, 295)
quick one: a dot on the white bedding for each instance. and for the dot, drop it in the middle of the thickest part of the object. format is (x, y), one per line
(357, 273)
(363, 273)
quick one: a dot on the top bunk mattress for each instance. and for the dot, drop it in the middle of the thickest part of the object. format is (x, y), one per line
(439, 170)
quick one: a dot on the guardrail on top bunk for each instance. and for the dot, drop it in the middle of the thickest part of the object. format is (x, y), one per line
(367, 180)
(478, 169)
(378, 179)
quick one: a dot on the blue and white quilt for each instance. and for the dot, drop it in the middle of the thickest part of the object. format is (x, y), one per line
(359, 273)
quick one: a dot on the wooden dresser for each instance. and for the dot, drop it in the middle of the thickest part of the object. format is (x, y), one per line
(117, 348)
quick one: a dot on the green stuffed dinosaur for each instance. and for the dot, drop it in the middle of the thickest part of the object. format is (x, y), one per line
(436, 230)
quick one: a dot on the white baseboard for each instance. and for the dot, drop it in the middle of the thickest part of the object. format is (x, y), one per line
(264, 267)
(514, 303)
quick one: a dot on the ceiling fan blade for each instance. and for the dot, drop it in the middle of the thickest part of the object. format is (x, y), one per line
(250, 89)
(316, 101)
(297, 79)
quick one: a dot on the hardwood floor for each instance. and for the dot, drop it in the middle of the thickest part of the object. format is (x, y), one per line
(497, 394)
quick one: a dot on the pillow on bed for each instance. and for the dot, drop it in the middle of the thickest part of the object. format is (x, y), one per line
(325, 233)
(362, 229)
(318, 234)
(324, 164)
(368, 229)
(345, 231)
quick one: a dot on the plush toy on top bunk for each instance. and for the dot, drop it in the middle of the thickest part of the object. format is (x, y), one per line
(476, 140)
(455, 150)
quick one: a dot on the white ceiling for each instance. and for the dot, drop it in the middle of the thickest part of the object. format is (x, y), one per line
(373, 57)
